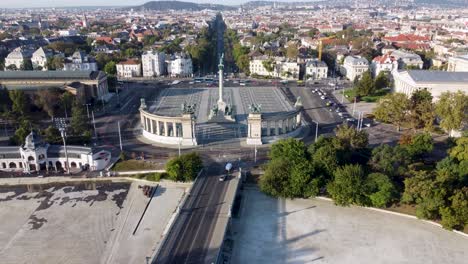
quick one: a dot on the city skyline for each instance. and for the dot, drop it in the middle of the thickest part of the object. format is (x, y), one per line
(72, 3)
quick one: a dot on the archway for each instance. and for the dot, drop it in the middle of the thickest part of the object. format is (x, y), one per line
(73, 164)
(58, 165)
(32, 167)
(30, 158)
(12, 165)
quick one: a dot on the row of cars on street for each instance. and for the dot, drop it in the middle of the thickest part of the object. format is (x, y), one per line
(334, 106)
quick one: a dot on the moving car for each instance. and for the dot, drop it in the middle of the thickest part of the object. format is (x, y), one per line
(222, 177)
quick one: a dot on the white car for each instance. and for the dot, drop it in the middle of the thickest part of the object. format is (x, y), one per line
(323, 97)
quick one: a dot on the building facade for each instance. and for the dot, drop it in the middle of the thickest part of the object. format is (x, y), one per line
(39, 59)
(84, 84)
(129, 69)
(180, 65)
(316, 70)
(385, 63)
(35, 155)
(17, 57)
(153, 63)
(80, 61)
(436, 82)
(407, 59)
(458, 64)
(355, 66)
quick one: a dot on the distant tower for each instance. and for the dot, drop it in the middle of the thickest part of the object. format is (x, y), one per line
(85, 21)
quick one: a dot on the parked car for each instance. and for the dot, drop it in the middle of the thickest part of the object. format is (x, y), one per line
(323, 97)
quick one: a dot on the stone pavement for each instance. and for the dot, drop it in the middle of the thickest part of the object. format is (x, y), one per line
(314, 231)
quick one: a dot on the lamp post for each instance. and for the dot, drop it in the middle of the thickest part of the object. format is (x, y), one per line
(87, 109)
(63, 133)
(120, 135)
(316, 129)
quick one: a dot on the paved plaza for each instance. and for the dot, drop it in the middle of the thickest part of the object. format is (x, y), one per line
(83, 222)
(314, 231)
(170, 101)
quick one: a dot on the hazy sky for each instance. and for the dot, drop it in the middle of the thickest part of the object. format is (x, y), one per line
(61, 3)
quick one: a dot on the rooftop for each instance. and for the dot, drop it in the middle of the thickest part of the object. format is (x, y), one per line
(12, 75)
(438, 76)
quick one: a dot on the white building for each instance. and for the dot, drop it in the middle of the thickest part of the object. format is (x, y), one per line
(79, 61)
(385, 63)
(39, 58)
(180, 65)
(129, 69)
(407, 59)
(67, 33)
(280, 67)
(355, 66)
(437, 82)
(316, 70)
(153, 63)
(17, 57)
(36, 155)
(458, 64)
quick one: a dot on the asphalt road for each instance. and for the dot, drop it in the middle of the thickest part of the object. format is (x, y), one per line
(189, 239)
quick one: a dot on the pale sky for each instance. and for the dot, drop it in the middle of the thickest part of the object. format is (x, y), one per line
(62, 3)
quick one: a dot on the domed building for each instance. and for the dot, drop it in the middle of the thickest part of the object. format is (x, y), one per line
(35, 155)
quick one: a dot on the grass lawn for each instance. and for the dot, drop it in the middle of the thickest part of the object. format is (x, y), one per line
(370, 98)
(155, 177)
(134, 165)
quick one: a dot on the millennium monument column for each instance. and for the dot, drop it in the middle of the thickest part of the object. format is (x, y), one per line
(221, 112)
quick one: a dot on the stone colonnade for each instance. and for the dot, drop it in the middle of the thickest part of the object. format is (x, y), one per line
(283, 125)
(169, 130)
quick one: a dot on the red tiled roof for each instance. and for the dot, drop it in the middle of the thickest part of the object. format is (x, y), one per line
(384, 58)
(407, 38)
(129, 62)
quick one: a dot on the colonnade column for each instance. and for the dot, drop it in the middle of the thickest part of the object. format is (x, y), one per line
(166, 132)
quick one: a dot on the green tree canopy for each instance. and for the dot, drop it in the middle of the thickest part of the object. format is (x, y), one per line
(20, 102)
(350, 138)
(111, 68)
(421, 112)
(348, 186)
(452, 108)
(79, 119)
(184, 168)
(381, 81)
(381, 189)
(392, 108)
(365, 86)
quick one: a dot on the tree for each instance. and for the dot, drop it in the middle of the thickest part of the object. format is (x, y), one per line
(111, 68)
(66, 101)
(22, 132)
(19, 102)
(269, 65)
(350, 138)
(79, 120)
(243, 62)
(421, 110)
(48, 100)
(5, 101)
(392, 161)
(55, 63)
(420, 144)
(381, 81)
(52, 135)
(455, 216)
(348, 186)
(26, 65)
(381, 190)
(452, 108)
(12, 67)
(426, 193)
(392, 108)
(184, 168)
(292, 52)
(365, 85)
(274, 181)
(291, 149)
(460, 150)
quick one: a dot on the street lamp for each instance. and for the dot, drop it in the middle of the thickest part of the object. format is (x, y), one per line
(87, 109)
(63, 133)
(316, 129)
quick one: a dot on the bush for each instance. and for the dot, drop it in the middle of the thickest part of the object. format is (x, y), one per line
(184, 168)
